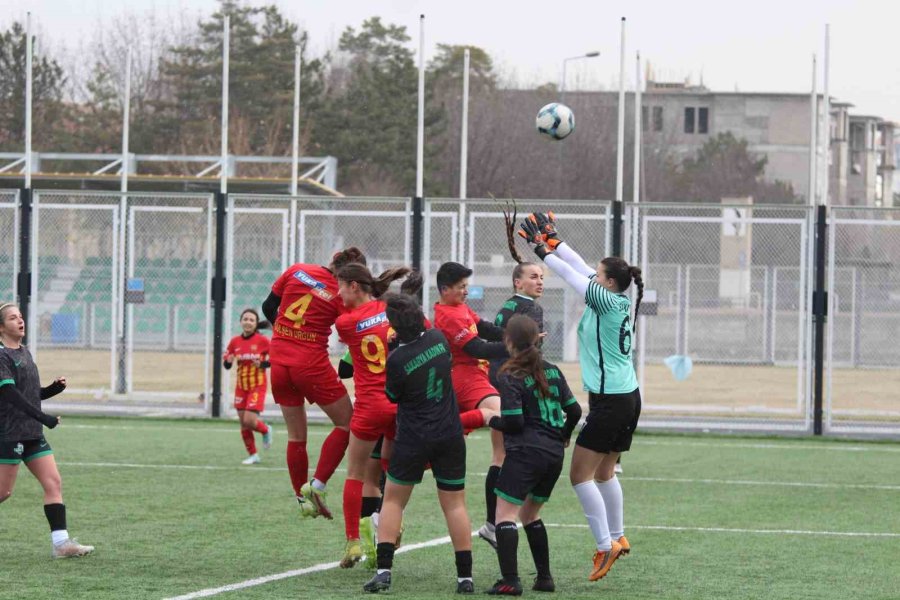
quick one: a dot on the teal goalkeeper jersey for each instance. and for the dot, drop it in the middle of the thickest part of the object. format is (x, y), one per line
(604, 337)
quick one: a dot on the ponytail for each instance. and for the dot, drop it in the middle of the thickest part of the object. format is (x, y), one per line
(526, 361)
(635, 273)
(376, 287)
(624, 274)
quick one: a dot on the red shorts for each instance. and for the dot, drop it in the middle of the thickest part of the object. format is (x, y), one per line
(253, 399)
(471, 385)
(314, 380)
(371, 421)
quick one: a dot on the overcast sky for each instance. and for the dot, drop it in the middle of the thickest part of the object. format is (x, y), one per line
(757, 45)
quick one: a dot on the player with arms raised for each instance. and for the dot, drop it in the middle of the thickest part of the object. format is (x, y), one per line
(303, 305)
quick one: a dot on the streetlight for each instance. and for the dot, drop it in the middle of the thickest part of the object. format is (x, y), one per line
(562, 83)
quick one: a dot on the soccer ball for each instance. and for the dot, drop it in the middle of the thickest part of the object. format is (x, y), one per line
(555, 121)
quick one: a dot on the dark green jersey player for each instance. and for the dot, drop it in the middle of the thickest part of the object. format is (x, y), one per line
(528, 283)
(428, 431)
(538, 413)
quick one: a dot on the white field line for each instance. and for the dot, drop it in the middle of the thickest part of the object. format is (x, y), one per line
(772, 446)
(799, 484)
(872, 534)
(298, 572)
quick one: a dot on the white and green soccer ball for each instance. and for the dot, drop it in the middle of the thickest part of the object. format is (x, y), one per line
(555, 121)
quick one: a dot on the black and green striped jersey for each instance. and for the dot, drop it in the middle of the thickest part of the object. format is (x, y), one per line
(418, 380)
(544, 418)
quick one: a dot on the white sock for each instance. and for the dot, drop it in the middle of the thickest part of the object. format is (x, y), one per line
(612, 497)
(59, 536)
(318, 485)
(595, 513)
(380, 571)
(375, 518)
(461, 579)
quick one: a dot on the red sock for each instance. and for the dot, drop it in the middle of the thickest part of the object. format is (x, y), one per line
(333, 449)
(249, 442)
(472, 419)
(352, 507)
(298, 464)
(261, 427)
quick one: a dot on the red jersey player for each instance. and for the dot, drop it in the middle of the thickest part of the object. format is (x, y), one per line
(366, 331)
(251, 351)
(303, 305)
(472, 342)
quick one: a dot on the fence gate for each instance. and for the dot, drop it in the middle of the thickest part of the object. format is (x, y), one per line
(169, 255)
(9, 244)
(732, 295)
(73, 290)
(863, 326)
(258, 251)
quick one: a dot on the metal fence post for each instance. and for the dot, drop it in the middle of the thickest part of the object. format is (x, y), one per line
(616, 237)
(218, 302)
(820, 313)
(23, 283)
(418, 210)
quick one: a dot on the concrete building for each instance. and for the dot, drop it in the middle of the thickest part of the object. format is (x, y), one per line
(863, 149)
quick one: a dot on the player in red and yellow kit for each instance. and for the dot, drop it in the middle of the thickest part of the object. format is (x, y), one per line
(303, 305)
(251, 351)
(473, 341)
(366, 331)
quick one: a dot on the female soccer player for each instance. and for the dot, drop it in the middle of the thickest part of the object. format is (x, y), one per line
(251, 350)
(607, 372)
(21, 437)
(428, 431)
(534, 396)
(303, 305)
(366, 331)
(472, 342)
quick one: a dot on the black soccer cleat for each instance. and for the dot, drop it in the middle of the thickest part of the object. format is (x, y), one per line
(465, 587)
(381, 582)
(506, 588)
(543, 584)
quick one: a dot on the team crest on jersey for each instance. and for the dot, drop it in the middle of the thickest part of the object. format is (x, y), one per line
(371, 322)
(19, 449)
(316, 286)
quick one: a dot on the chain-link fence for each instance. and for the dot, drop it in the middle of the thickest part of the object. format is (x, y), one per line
(121, 294)
(863, 356)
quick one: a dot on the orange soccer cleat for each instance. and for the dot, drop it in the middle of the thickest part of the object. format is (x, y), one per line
(603, 561)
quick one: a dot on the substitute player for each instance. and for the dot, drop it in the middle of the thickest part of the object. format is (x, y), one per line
(607, 371)
(21, 436)
(473, 341)
(251, 351)
(428, 431)
(303, 305)
(367, 333)
(538, 415)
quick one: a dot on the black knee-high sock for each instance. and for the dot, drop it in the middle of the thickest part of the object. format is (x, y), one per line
(369, 506)
(540, 548)
(490, 498)
(464, 564)
(381, 483)
(385, 555)
(56, 516)
(507, 546)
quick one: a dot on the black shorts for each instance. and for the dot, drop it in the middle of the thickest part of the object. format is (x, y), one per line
(447, 458)
(12, 453)
(376, 451)
(528, 473)
(611, 422)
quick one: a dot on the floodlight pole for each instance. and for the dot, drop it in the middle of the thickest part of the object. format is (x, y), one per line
(28, 98)
(620, 154)
(418, 201)
(295, 143)
(226, 43)
(464, 135)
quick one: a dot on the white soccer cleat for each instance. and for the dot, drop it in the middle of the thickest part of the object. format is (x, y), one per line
(70, 548)
(488, 534)
(618, 468)
(253, 459)
(267, 438)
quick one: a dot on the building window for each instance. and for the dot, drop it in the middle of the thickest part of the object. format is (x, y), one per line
(644, 119)
(689, 119)
(657, 118)
(703, 120)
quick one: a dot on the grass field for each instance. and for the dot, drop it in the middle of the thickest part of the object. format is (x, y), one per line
(172, 512)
